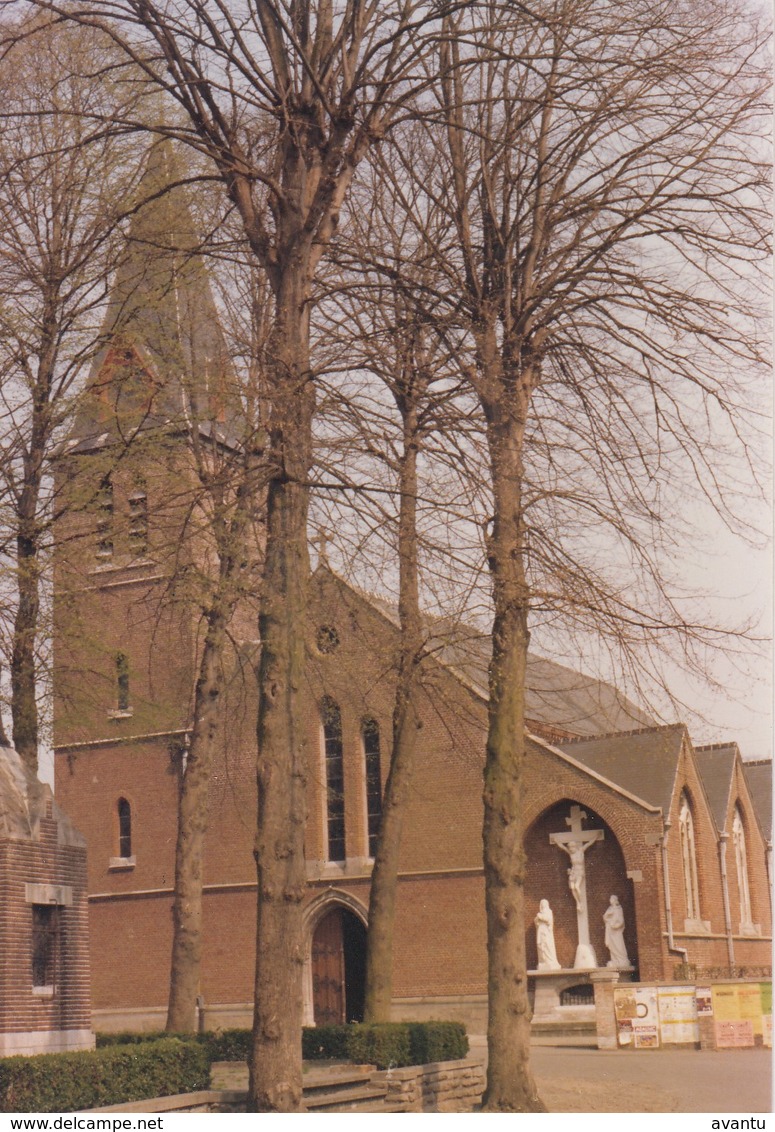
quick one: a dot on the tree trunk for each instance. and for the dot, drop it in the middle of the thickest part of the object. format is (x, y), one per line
(275, 1065)
(510, 1084)
(192, 828)
(406, 724)
(24, 707)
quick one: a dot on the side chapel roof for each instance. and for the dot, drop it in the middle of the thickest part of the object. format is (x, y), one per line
(716, 764)
(758, 775)
(644, 762)
(164, 358)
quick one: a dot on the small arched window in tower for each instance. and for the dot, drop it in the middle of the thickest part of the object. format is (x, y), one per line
(124, 829)
(105, 520)
(741, 866)
(688, 859)
(332, 743)
(122, 681)
(373, 768)
(138, 520)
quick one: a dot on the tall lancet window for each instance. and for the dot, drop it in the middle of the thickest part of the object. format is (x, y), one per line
(689, 860)
(332, 744)
(741, 864)
(371, 755)
(124, 829)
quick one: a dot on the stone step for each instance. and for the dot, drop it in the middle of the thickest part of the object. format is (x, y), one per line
(346, 1100)
(334, 1078)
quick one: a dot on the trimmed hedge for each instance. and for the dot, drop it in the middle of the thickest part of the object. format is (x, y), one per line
(68, 1082)
(383, 1044)
(221, 1045)
(386, 1044)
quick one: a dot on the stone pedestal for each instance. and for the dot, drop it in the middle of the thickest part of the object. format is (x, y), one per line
(548, 986)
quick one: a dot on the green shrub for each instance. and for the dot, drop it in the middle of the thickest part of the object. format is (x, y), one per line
(386, 1044)
(325, 1043)
(227, 1045)
(437, 1041)
(68, 1082)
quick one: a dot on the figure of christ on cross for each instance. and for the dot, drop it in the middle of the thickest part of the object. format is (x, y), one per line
(575, 843)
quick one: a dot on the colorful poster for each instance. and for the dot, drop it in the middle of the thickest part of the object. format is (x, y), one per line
(704, 1001)
(678, 1015)
(767, 1030)
(734, 1035)
(637, 1018)
(766, 990)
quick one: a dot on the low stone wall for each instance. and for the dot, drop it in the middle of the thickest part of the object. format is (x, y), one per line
(442, 1086)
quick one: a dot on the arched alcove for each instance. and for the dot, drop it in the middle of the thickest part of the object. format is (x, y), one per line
(547, 879)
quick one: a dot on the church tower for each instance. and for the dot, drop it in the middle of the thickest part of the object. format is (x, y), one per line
(133, 562)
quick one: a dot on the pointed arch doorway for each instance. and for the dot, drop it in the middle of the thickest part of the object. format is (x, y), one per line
(338, 967)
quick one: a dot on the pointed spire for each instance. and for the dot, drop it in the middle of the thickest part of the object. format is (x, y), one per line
(164, 358)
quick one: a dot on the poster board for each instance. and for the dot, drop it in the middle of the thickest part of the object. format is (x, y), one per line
(678, 1023)
(637, 1017)
(704, 998)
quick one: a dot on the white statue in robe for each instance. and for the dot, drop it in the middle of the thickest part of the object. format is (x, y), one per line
(613, 917)
(547, 954)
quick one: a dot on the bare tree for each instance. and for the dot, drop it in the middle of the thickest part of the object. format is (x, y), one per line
(602, 179)
(329, 83)
(62, 187)
(380, 321)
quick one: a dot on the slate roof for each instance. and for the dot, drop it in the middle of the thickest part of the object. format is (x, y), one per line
(556, 696)
(643, 762)
(758, 775)
(24, 801)
(163, 339)
(716, 764)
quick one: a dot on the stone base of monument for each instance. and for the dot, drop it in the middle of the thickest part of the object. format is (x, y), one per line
(564, 1002)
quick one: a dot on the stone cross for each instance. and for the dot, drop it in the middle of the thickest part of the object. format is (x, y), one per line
(575, 843)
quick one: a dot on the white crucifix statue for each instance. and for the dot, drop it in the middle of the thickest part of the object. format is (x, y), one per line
(575, 843)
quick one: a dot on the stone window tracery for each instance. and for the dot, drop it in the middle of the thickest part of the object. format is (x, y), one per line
(371, 752)
(741, 865)
(334, 763)
(689, 860)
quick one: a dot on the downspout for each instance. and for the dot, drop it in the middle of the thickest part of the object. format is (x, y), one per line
(768, 861)
(671, 945)
(722, 857)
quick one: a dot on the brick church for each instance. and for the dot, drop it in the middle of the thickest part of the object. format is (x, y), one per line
(680, 834)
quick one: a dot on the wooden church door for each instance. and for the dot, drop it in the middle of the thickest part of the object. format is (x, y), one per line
(328, 987)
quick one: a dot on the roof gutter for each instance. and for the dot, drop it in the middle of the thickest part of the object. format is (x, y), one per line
(671, 944)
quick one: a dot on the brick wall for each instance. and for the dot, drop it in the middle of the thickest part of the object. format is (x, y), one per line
(39, 1019)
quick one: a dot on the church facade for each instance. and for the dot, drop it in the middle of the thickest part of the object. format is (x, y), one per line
(613, 804)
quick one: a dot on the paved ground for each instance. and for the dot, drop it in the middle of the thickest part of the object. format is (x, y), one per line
(591, 1080)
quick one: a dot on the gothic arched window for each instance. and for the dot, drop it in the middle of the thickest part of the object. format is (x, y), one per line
(371, 753)
(124, 829)
(332, 745)
(689, 859)
(741, 865)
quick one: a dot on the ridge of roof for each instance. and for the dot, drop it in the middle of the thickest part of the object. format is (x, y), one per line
(624, 734)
